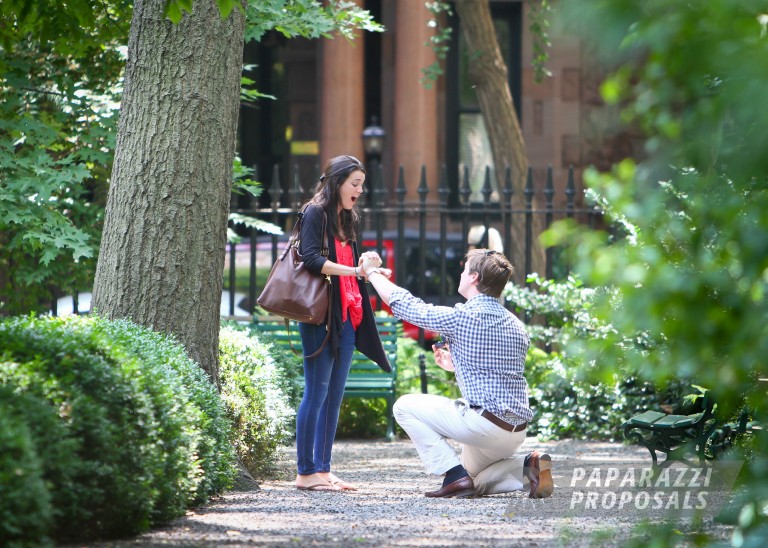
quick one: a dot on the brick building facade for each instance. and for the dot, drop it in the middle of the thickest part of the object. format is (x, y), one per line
(329, 90)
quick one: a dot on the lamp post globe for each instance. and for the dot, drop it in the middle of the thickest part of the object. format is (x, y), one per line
(373, 139)
(373, 143)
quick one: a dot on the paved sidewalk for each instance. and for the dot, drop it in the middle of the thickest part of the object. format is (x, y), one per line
(389, 508)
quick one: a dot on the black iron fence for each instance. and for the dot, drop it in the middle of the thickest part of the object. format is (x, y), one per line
(421, 234)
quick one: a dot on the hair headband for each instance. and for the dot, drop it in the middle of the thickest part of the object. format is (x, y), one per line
(354, 163)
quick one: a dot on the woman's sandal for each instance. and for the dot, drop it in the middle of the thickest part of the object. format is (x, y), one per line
(321, 485)
(341, 484)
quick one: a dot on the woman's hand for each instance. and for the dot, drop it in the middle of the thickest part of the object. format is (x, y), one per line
(370, 260)
(370, 263)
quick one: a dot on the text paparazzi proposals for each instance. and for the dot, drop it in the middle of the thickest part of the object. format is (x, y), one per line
(614, 488)
(679, 490)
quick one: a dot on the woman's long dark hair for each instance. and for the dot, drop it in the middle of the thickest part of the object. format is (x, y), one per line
(326, 194)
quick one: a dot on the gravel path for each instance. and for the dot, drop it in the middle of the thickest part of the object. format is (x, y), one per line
(389, 508)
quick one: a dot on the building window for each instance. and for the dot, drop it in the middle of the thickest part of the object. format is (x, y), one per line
(474, 153)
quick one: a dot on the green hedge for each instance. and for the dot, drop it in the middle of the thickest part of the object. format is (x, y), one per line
(201, 409)
(116, 426)
(566, 405)
(260, 397)
(26, 513)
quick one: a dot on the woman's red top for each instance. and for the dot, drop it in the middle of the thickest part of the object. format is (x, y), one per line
(351, 300)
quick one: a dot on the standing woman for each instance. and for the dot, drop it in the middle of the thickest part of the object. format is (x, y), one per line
(352, 323)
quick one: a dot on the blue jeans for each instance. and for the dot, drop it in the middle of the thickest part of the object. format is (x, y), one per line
(324, 381)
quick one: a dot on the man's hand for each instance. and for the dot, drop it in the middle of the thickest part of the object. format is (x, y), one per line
(369, 263)
(443, 357)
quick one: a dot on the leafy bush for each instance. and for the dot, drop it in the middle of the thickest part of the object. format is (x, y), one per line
(289, 364)
(139, 433)
(25, 505)
(557, 312)
(167, 373)
(362, 418)
(565, 404)
(257, 398)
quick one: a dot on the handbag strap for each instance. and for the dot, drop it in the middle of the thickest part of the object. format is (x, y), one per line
(296, 234)
(325, 340)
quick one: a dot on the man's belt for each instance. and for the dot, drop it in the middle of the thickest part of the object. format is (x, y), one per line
(497, 421)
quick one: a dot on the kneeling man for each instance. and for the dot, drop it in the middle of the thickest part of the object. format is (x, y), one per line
(485, 344)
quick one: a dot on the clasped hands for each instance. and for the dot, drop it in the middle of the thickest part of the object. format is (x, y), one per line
(370, 260)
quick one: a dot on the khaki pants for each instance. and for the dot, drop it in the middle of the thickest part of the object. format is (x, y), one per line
(488, 451)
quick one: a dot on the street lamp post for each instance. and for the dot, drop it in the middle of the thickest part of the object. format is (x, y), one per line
(373, 143)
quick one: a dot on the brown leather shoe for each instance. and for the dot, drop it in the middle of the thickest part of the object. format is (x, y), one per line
(538, 470)
(460, 488)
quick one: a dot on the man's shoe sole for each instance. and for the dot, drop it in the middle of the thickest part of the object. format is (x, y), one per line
(540, 476)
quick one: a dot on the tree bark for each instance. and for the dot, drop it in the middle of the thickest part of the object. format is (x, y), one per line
(488, 74)
(162, 252)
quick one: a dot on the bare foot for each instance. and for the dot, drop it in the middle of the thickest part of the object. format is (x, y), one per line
(337, 482)
(315, 482)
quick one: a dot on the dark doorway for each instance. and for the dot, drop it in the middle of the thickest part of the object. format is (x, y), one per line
(284, 131)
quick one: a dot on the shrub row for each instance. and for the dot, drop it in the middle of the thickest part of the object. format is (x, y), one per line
(260, 393)
(105, 428)
(566, 406)
(566, 399)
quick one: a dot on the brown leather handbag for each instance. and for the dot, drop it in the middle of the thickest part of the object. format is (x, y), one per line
(292, 291)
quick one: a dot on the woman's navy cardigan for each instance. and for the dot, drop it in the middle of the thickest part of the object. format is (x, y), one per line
(367, 339)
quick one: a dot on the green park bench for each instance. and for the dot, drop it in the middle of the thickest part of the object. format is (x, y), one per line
(366, 379)
(680, 437)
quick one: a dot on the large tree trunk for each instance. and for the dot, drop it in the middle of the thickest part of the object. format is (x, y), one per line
(488, 74)
(162, 251)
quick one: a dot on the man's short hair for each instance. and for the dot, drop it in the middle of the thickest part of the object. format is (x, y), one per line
(493, 269)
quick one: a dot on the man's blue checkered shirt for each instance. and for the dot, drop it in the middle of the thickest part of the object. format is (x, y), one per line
(488, 345)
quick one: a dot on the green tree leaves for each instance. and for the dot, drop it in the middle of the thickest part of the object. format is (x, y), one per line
(307, 19)
(57, 123)
(694, 273)
(61, 66)
(692, 269)
(292, 18)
